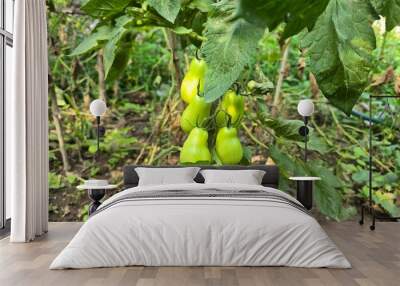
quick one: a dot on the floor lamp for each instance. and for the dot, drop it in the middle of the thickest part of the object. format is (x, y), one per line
(98, 107)
(305, 184)
(305, 109)
(369, 205)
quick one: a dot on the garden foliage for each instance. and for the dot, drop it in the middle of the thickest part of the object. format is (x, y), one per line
(338, 36)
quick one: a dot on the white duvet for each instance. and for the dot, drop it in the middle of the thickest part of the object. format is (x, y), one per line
(200, 231)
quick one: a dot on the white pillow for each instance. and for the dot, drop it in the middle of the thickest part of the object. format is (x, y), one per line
(166, 176)
(248, 177)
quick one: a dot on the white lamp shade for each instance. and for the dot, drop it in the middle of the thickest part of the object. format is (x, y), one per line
(98, 107)
(305, 107)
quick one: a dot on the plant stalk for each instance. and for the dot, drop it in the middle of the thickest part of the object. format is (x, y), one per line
(100, 71)
(55, 112)
(281, 77)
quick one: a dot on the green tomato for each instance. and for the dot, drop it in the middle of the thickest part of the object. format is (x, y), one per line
(195, 149)
(192, 79)
(198, 67)
(228, 146)
(251, 85)
(232, 104)
(195, 113)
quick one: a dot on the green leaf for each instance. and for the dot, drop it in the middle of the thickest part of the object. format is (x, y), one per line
(339, 48)
(247, 155)
(288, 129)
(55, 181)
(329, 201)
(116, 51)
(328, 195)
(361, 177)
(397, 159)
(120, 61)
(92, 148)
(264, 13)
(72, 179)
(104, 8)
(169, 9)
(202, 5)
(303, 16)
(317, 168)
(386, 201)
(390, 9)
(297, 14)
(314, 144)
(197, 25)
(230, 45)
(287, 166)
(387, 179)
(93, 41)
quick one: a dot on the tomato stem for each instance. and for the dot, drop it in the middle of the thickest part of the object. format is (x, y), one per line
(198, 90)
(238, 120)
(229, 123)
(237, 87)
(197, 55)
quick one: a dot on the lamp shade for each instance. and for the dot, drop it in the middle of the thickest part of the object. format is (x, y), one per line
(305, 107)
(98, 107)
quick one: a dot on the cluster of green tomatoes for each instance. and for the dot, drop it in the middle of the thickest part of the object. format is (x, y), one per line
(210, 126)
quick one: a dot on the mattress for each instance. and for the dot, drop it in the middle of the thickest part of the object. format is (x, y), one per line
(201, 225)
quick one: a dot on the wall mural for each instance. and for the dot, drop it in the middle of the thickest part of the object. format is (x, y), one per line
(192, 82)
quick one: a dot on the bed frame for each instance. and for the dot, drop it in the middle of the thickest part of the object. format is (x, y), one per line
(270, 179)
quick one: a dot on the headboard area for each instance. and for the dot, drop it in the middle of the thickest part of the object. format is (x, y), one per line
(270, 179)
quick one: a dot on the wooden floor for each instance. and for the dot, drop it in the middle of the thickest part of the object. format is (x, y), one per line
(375, 257)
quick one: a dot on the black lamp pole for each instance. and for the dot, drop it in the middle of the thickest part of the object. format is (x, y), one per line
(98, 136)
(303, 131)
(305, 138)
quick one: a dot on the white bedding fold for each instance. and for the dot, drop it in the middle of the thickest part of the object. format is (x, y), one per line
(225, 231)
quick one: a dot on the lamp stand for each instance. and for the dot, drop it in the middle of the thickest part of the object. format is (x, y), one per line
(303, 131)
(369, 205)
(305, 138)
(98, 136)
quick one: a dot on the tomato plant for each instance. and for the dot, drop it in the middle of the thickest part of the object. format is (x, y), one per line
(338, 36)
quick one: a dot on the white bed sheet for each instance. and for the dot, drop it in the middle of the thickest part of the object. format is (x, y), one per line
(200, 232)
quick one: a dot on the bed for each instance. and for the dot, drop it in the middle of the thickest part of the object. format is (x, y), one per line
(198, 224)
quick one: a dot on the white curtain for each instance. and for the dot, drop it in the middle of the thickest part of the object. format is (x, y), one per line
(27, 123)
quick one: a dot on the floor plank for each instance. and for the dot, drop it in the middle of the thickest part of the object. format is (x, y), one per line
(375, 257)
